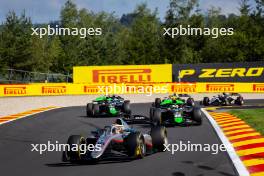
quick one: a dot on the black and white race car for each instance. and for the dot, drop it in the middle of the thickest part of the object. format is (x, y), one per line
(224, 99)
(116, 138)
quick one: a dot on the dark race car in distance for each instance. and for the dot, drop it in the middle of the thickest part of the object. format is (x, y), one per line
(224, 99)
(108, 106)
(118, 137)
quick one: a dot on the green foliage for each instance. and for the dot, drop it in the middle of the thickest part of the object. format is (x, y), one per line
(142, 39)
(16, 42)
(136, 38)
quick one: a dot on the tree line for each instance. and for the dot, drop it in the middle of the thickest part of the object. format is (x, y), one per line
(135, 38)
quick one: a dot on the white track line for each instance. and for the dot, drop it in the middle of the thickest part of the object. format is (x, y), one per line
(241, 169)
(1, 123)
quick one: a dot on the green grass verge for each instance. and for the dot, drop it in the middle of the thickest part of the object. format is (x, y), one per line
(253, 117)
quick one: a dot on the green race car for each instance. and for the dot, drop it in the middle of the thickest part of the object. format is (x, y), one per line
(108, 106)
(175, 111)
(181, 99)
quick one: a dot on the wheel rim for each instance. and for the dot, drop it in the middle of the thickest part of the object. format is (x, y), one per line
(140, 151)
(82, 141)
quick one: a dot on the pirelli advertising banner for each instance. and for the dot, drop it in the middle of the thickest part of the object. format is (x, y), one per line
(122, 74)
(219, 72)
(128, 88)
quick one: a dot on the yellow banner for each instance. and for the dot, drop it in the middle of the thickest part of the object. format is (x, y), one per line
(49, 89)
(122, 74)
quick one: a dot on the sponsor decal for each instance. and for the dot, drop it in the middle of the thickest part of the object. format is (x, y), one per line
(21, 90)
(220, 87)
(54, 89)
(122, 75)
(258, 87)
(91, 89)
(190, 88)
(223, 72)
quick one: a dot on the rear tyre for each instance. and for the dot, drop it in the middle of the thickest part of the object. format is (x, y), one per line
(240, 101)
(135, 145)
(151, 113)
(157, 102)
(159, 137)
(190, 102)
(73, 153)
(89, 109)
(197, 116)
(156, 118)
(206, 101)
(126, 107)
(95, 110)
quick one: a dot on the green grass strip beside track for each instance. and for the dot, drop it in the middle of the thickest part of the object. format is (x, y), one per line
(253, 117)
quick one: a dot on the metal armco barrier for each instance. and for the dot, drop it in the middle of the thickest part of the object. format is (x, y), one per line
(219, 72)
(148, 88)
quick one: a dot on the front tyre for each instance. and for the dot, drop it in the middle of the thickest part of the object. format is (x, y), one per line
(135, 145)
(75, 143)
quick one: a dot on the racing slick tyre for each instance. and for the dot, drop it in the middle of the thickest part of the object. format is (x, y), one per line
(197, 116)
(206, 101)
(151, 113)
(190, 102)
(126, 107)
(135, 145)
(156, 118)
(239, 101)
(159, 137)
(157, 102)
(73, 142)
(95, 110)
(89, 109)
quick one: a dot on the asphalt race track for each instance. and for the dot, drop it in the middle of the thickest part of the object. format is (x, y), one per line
(56, 125)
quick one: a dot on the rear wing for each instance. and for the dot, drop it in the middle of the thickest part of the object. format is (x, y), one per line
(137, 119)
(235, 94)
(184, 95)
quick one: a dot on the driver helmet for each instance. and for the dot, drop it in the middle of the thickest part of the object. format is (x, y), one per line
(174, 96)
(117, 127)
